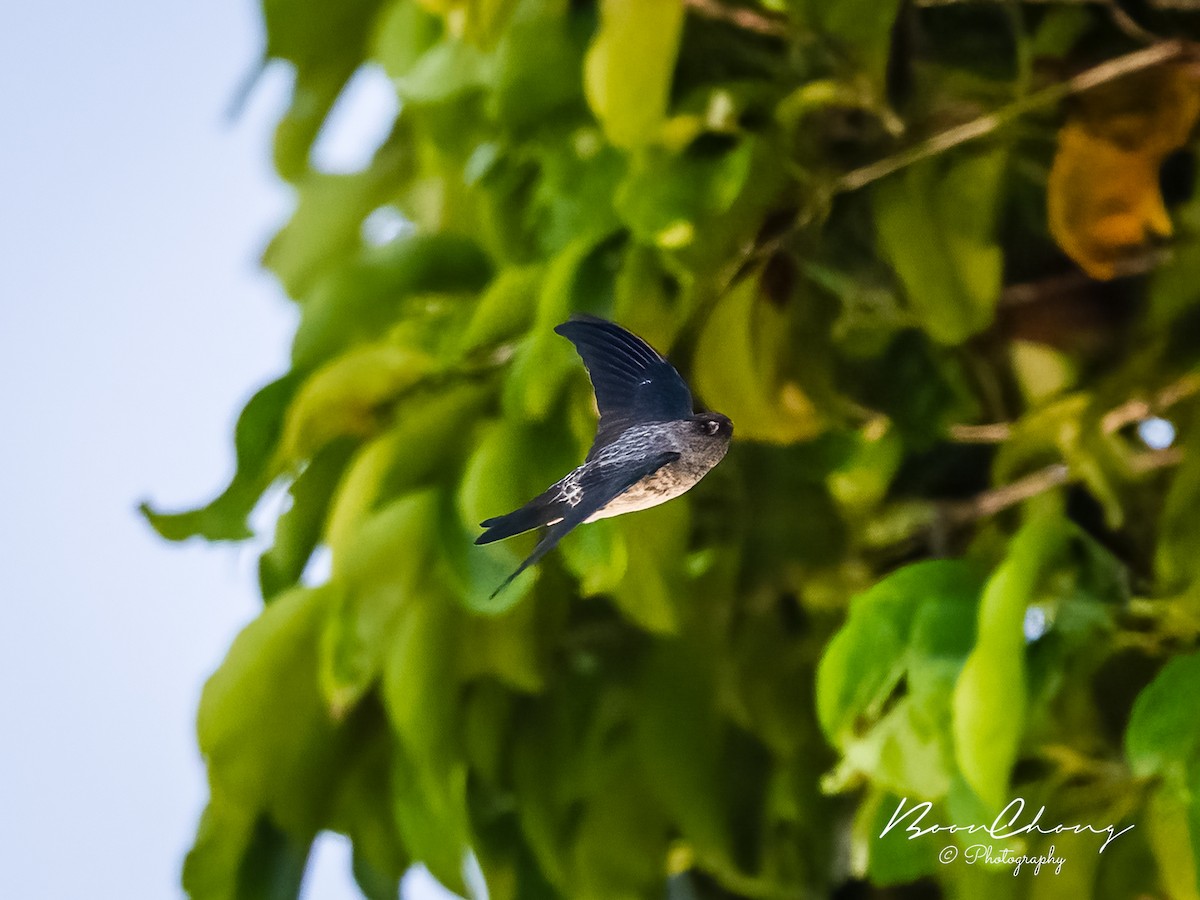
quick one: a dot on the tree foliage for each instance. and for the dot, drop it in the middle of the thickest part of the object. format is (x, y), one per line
(909, 249)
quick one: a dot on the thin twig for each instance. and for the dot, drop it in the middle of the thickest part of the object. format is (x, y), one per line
(1120, 18)
(994, 433)
(1034, 291)
(1136, 410)
(1108, 71)
(1153, 460)
(934, 3)
(1128, 25)
(1114, 420)
(989, 502)
(740, 16)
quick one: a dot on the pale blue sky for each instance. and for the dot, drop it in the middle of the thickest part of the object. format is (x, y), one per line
(133, 324)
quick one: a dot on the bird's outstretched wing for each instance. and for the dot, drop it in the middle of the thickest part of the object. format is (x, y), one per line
(568, 504)
(634, 384)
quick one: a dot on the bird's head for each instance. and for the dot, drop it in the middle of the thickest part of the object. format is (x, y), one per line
(713, 425)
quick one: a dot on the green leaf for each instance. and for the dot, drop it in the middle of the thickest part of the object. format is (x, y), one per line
(324, 231)
(1075, 879)
(487, 712)
(862, 27)
(576, 193)
(326, 43)
(1068, 429)
(298, 530)
(265, 733)
(362, 810)
(1172, 825)
(598, 556)
(508, 647)
(737, 369)
(643, 297)
(348, 395)
(210, 870)
(772, 538)
(506, 309)
(991, 695)
(448, 69)
(474, 572)
(512, 463)
(373, 884)
(1163, 737)
(402, 35)
(542, 364)
(1176, 562)
(498, 476)
(313, 35)
(381, 574)
(862, 481)
(420, 690)
(538, 64)
(258, 432)
(655, 546)
(679, 736)
(423, 446)
(936, 225)
(627, 75)
(360, 301)
(544, 755)
(764, 700)
(239, 854)
(906, 752)
(1059, 30)
(620, 842)
(1172, 286)
(1041, 371)
(666, 198)
(421, 681)
(914, 628)
(431, 815)
(894, 859)
(486, 19)
(912, 621)
(508, 865)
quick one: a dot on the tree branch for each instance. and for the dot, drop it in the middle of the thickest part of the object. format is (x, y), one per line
(741, 17)
(1120, 18)
(989, 502)
(1111, 70)
(1136, 410)
(993, 433)
(1133, 410)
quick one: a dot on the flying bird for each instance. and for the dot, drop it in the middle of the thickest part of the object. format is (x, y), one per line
(650, 446)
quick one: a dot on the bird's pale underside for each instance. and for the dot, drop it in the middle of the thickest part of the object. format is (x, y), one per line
(650, 447)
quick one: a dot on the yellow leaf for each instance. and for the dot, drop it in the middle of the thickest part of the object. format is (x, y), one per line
(1167, 821)
(627, 75)
(1103, 198)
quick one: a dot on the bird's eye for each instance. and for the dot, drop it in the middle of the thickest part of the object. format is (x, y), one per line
(712, 427)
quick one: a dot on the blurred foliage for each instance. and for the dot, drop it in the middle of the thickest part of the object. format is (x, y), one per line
(909, 249)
